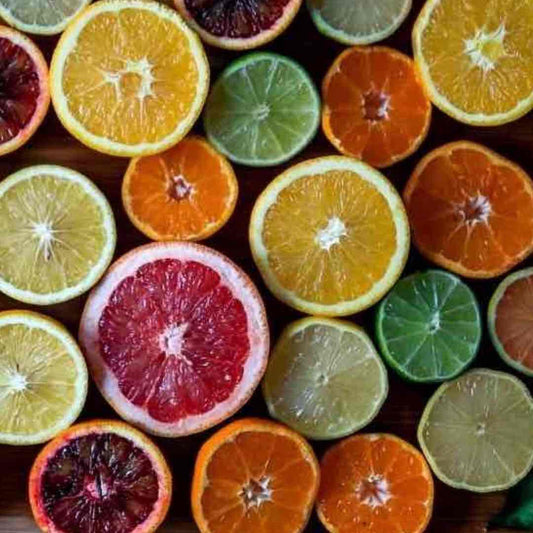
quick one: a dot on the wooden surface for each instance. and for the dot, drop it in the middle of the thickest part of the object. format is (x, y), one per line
(455, 511)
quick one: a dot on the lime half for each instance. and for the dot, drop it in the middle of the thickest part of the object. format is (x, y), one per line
(477, 431)
(262, 110)
(325, 378)
(429, 327)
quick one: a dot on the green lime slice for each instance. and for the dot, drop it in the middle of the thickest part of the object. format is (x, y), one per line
(477, 431)
(428, 327)
(358, 21)
(262, 110)
(325, 378)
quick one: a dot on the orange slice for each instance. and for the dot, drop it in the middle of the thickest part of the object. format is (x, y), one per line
(471, 210)
(375, 106)
(254, 476)
(186, 193)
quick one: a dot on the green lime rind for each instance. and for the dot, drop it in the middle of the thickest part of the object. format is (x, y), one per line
(428, 327)
(491, 319)
(262, 110)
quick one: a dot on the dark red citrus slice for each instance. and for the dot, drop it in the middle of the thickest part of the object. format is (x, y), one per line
(176, 337)
(24, 93)
(238, 24)
(100, 476)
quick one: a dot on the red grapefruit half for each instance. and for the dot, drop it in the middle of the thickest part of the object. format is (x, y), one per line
(100, 476)
(176, 337)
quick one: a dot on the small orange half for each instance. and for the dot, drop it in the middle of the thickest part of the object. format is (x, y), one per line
(186, 193)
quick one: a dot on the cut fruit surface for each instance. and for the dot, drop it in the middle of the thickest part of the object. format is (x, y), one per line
(471, 210)
(25, 96)
(51, 250)
(43, 378)
(375, 106)
(262, 110)
(330, 236)
(98, 476)
(476, 431)
(254, 475)
(475, 58)
(375, 483)
(325, 378)
(176, 337)
(186, 193)
(429, 327)
(122, 92)
(510, 320)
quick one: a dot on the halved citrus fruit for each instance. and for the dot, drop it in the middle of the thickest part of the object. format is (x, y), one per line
(375, 483)
(471, 210)
(176, 337)
(43, 378)
(238, 25)
(122, 92)
(475, 58)
(375, 106)
(186, 193)
(510, 320)
(330, 236)
(25, 93)
(254, 476)
(101, 475)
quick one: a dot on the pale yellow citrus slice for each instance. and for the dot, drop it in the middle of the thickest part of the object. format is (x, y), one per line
(128, 77)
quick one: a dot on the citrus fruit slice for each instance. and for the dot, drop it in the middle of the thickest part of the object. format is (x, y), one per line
(122, 92)
(262, 110)
(475, 58)
(176, 337)
(51, 250)
(254, 475)
(510, 318)
(40, 16)
(324, 378)
(238, 25)
(43, 378)
(330, 236)
(471, 210)
(101, 475)
(25, 94)
(186, 193)
(372, 483)
(476, 431)
(375, 107)
(429, 326)
(358, 21)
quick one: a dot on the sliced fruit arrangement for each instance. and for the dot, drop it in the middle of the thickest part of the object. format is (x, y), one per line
(25, 95)
(122, 92)
(471, 210)
(375, 106)
(330, 236)
(262, 110)
(475, 58)
(429, 326)
(186, 193)
(325, 378)
(254, 475)
(510, 320)
(176, 337)
(476, 431)
(51, 250)
(372, 483)
(238, 25)
(101, 475)
(43, 378)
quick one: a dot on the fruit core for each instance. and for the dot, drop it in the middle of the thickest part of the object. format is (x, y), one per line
(486, 49)
(481, 429)
(18, 382)
(256, 492)
(135, 80)
(376, 106)
(44, 233)
(331, 234)
(475, 210)
(179, 188)
(434, 323)
(374, 491)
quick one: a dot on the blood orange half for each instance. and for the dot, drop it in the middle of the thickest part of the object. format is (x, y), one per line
(176, 337)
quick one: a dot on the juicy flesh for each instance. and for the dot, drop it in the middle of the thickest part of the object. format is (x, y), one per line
(41, 12)
(98, 483)
(175, 338)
